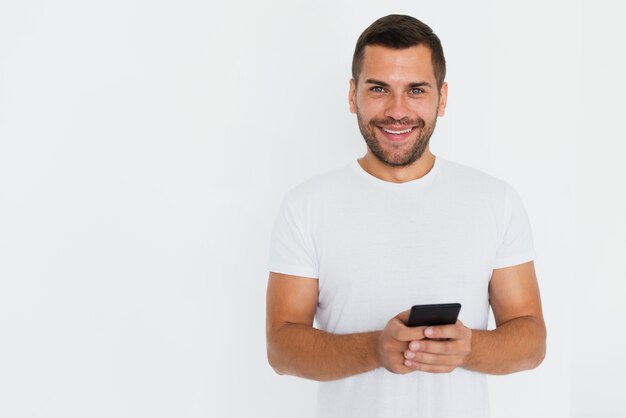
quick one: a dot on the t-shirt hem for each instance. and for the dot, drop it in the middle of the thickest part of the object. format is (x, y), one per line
(293, 270)
(514, 261)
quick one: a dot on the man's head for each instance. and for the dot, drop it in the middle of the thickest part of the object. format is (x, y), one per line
(399, 32)
(398, 89)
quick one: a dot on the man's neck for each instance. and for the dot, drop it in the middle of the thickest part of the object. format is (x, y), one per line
(416, 170)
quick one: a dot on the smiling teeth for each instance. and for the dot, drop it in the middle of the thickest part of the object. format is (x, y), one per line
(389, 131)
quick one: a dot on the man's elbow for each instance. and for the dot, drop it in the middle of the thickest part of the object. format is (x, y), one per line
(539, 353)
(540, 356)
(275, 361)
(275, 351)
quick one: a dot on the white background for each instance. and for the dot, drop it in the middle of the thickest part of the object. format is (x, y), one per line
(145, 147)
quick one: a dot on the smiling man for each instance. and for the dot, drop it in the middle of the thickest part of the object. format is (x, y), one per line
(354, 249)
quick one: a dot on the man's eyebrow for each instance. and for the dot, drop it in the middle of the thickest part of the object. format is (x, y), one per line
(377, 82)
(420, 84)
(411, 85)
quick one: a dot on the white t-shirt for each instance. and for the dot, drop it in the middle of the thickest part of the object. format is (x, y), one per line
(377, 248)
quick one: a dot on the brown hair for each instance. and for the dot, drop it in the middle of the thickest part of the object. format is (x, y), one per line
(399, 32)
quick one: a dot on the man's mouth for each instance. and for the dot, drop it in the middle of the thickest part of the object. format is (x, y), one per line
(396, 133)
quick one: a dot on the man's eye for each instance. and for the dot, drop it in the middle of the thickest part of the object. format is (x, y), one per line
(417, 91)
(377, 89)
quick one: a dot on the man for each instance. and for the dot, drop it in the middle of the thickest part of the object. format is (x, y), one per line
(354, 249)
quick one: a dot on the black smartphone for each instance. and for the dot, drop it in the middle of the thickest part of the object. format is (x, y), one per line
(437, 314)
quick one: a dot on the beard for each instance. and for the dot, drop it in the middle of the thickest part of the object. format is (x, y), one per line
(397, 156)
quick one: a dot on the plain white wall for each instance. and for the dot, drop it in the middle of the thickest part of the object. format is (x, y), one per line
(145, 148)
(598, 339)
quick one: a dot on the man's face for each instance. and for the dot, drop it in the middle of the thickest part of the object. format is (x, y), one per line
(397, 102)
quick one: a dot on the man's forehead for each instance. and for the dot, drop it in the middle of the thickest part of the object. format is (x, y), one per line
(381, 61)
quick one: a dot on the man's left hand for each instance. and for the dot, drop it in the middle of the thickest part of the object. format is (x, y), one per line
(443, 348)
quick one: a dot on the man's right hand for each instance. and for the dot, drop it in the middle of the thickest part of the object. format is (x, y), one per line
(394, 340)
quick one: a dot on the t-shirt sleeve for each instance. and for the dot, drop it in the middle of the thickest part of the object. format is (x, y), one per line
(291, 248)
(516, 245)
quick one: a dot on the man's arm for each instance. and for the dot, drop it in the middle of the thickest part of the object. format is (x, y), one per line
(294, 347)
(518, 342)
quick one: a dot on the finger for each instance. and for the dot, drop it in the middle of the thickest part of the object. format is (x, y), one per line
(404, 316)
(398, 366)
(430, 368)
(403, 369)
(433, 359)
(449, 347)
(454, 331)
(390, 345)
(399, 331)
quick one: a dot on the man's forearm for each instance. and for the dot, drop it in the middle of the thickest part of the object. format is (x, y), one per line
(517, 345)
(301, 350)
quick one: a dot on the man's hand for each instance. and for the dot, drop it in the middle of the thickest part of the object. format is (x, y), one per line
(443, 349)
(393, 343)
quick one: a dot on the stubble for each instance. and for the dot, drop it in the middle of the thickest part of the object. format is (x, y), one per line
(395, 156)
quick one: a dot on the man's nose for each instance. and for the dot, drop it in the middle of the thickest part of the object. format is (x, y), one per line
(397, 107)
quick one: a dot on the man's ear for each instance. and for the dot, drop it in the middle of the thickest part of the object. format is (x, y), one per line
(443, 99)
(352, 96)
